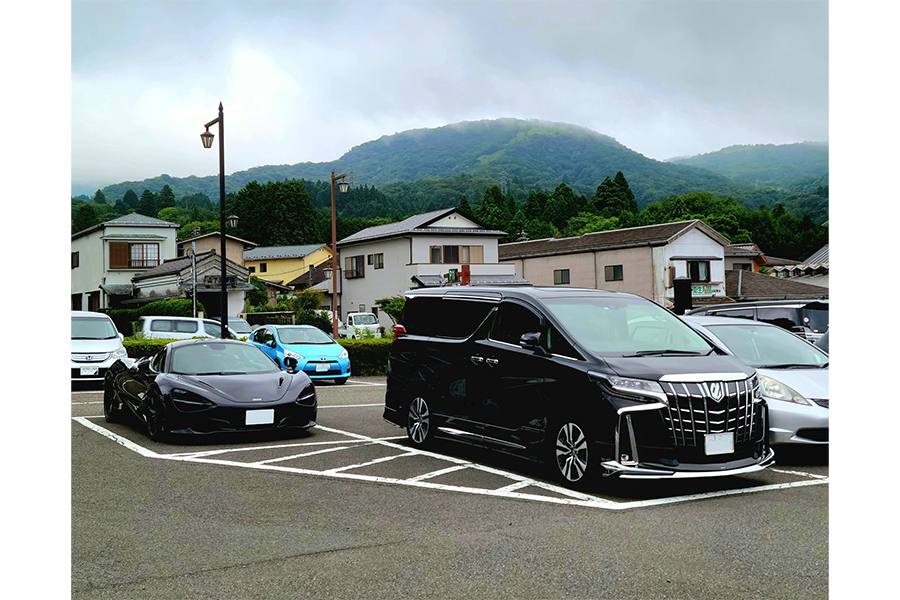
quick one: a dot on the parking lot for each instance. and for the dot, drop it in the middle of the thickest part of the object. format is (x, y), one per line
(352, 510)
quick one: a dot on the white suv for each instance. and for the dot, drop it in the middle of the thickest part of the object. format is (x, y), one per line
(96, 345)
(181, 328)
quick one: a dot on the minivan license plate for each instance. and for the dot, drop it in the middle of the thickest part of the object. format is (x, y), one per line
(89, 371)
(719, 443)
(265, 416)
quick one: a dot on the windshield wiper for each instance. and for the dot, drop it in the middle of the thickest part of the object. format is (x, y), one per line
(222, 373)
(792, 366)
(662, 352)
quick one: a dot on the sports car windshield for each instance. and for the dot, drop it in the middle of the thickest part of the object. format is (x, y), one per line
(769, 347)
(303, 335)
(93, 329)
(626, 327)
(219, 358)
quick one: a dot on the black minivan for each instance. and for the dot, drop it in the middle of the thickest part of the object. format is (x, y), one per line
(592, 382)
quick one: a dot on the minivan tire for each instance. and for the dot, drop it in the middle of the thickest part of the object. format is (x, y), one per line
(419, 423)
(572, 454)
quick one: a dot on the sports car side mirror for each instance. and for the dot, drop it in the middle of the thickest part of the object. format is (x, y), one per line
(291, 363)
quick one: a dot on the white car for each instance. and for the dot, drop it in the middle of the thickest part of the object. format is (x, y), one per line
(96, 345)
(793, 375)
(360, 325)
(182, 328)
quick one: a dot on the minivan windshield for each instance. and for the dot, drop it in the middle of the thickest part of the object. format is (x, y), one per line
(626, 326)
(88, 328)
(220, 358)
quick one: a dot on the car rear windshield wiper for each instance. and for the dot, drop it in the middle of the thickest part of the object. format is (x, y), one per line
(662, 352)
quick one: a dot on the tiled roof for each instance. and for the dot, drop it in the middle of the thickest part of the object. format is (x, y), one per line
(318, 275)
(172, 265)
(129, 220)
(416, 224)
(820, 257)
(216, 233)
(774, 261)
(651, 235)
(747, 285)
(273, 252)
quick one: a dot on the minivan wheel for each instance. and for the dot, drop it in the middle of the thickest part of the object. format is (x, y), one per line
(419, 426)
(571, 454)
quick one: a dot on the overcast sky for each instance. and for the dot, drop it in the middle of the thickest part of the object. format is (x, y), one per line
(307, 81)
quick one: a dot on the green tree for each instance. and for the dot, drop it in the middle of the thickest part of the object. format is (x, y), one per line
(587, 222)
(85, 217)
(464, 208)
(278, 213)
(147, 204)
(492, 212)
(131, 201)
(392, 306)
(166, 198)
(99, 198)
(562, 206)
(258, 296)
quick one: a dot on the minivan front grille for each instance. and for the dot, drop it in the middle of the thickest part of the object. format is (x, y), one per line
(693, 410)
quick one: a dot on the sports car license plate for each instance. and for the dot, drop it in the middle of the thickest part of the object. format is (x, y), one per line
(719, 443)
(89, 371)
(264, 416)
(321, 367)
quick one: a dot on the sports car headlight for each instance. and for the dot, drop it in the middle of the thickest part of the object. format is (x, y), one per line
(120, 353)
(344, 354)
(627, 385)
(292, 354)
(307, 396)
(774, 389)
(186, 401)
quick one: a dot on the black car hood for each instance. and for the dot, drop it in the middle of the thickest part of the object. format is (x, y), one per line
(655, 367)
(251, 388)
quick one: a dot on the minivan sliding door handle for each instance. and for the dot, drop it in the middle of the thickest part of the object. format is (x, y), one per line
(476, 359)
(493, 362)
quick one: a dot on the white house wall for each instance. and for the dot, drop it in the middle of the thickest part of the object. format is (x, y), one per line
(421, 246)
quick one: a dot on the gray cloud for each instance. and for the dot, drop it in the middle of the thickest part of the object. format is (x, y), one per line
(306, 81)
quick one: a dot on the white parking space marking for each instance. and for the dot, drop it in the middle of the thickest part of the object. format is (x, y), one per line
(509, 490)
(371, 383)
(92, 402)
(351, 405)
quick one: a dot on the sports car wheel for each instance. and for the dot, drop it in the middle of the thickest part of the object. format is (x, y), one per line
(157, 428)
(419, 426)
(112, 410)
(571, 453)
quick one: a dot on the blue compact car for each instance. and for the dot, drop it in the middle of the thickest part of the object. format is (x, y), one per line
(317, 354)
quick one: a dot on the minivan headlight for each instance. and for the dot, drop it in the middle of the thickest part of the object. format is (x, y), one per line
(628, 385)
(774, 389)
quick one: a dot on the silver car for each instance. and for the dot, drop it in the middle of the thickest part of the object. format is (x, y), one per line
(793, 375)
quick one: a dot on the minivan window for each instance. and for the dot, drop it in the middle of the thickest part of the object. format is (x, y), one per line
(617, 326)
(818, 319)
(739, 313)
(212, 328)
(512, 321)
(93, 329)
(785, 317)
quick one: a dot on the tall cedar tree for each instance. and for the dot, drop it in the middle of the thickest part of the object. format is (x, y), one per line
(166, 198)
(464, 208)
(147, 204)
(99, 198)
(278, 213)
(131, 200)
(493, 212)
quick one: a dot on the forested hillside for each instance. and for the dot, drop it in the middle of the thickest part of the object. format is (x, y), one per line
(777, 166)
(435, 166)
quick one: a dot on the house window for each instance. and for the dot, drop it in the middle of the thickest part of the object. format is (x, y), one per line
(124, 255)
(698, 270)
(355, 267)
(435, 255)
(614, 273)
(449, 255)
(561, 277)
(252, 269)
(378, 260)
(369, 259)
(743, 267)
(74, 260)
(263, 267)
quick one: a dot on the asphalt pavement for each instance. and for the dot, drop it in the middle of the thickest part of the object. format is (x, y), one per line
(350, 510)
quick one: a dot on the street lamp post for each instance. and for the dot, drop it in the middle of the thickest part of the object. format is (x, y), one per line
(344, 187)
(207, 139)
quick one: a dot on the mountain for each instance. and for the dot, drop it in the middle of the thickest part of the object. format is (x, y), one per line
(777, 166)
(523, 154)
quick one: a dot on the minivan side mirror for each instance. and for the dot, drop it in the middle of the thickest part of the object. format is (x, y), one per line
(532, 341)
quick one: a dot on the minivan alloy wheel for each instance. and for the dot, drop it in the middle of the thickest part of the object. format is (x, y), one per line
(571, 452)
(418, 423)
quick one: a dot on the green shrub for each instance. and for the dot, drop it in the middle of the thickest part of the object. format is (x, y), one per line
(368, 357)
(141, 347)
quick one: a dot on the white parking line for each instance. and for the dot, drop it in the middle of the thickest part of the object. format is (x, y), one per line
(354, 382)
(351, 405)
(284, 458)
(570, 497)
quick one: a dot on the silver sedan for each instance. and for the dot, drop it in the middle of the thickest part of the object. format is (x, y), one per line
(793, 375)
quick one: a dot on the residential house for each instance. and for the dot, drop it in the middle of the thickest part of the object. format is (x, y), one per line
(282, 264)
(318, 278)
(212, 242)
(746, 257)
(175, 278)
(388, 260)
(107, 256)
(639, 260)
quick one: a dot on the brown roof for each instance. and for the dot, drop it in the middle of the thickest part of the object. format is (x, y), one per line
(774, 261)
(747, 285)
(650, 235)
(318, 276)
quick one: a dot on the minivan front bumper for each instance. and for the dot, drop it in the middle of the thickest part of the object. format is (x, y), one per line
(617, 469)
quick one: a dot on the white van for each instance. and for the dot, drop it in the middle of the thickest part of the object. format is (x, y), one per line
(358, 324)
(181, 328)
(96, 345)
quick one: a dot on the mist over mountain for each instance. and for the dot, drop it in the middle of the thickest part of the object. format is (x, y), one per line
(523, 155)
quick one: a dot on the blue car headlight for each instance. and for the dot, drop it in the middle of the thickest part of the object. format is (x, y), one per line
(344, 354)
(292, 354)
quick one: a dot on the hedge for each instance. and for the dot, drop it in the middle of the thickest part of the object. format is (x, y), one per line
(367, 357)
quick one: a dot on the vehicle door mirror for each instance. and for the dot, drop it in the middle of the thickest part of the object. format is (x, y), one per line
(291, 363)
(270, 343)
(121, 337)
(533, 341)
